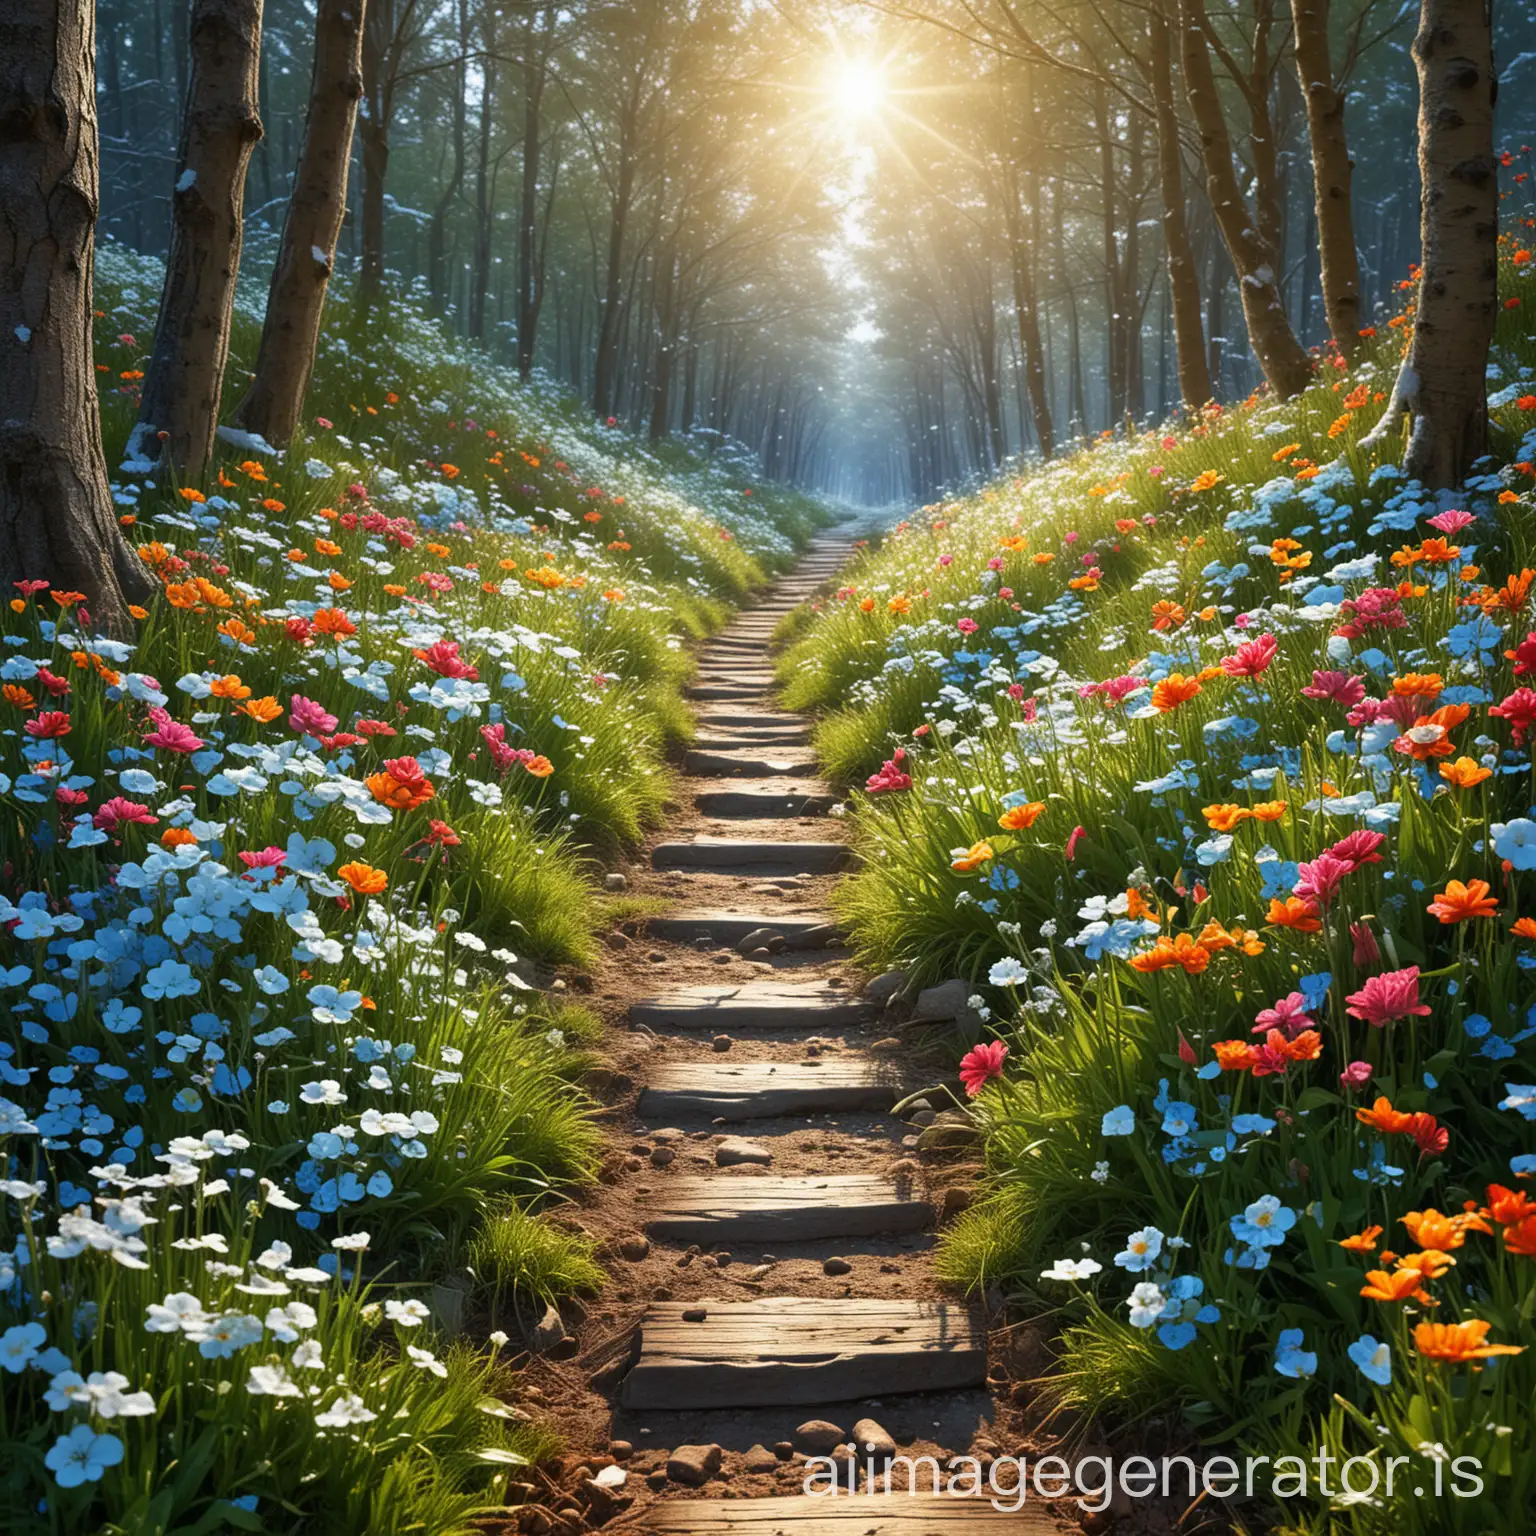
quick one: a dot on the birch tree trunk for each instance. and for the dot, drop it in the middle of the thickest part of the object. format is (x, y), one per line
(56, 516)
(179, 409)
(307, 255)
(1443, 382)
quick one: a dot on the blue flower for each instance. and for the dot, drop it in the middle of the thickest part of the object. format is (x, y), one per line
(1264, 1223)
(1121, 1122)
(1291, 1359)
(1521, 1097)
(1374, 1359)
(1176, 1335)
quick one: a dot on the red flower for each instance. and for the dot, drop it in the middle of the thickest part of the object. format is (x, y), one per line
(890, 778)
(981, 1064)
(118, 812)
(1252, 657)
(1392, 995)
(49, 725)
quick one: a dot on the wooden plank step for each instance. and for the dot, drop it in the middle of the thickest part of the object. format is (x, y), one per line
(751, 719)
(749, 765)
(751, 854)
(767, 800)
(746, 1208)
(896, 1513)
(732, 927)
(723, 691)
(742, 740)
(781, 1350)
(750, 1005)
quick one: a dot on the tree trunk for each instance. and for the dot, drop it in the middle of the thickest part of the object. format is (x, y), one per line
(373, 130)
(535, 67)
(56, 515)
(1183, 278)
(1284, 360)
(485, 213)
(307, 255)
(1332, 170)
(179, 410)
(1443, 382)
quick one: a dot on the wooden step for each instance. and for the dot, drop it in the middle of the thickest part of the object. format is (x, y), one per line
(782, 1350)
(750, 1005)
(896, 1513)
(765, 1090)
(739, 1208)
(751, 719)
(732, 927)
(752, 855)
(749, 765)
(741, 740)
(725, 691)
(767, 800)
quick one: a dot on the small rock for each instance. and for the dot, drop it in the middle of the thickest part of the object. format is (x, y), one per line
(886, 986)
(756, 1273)
(722, 959)
(944, 1138)
(695, 1314)
(760, 938)
(837, 1267)
(615, 882)
(761, 955)
(620, 1450)
(722, 1043)
(616, 941)
(656, 1481)
(548, 1331)
(722, 1260)
(612, 1477)
(818, 1436)
(872, 1440)
(948, 1000)
(924, 1117)
(662, 1156)
(704, 944)
(783, 1449)
(737, 1149)
(635, 1247)
(955, 1199)
(819, 937)
(534, 1520)
(656, 957)
(693, 1465)
(601, 1501)
(760, 1459)
(565, 1349)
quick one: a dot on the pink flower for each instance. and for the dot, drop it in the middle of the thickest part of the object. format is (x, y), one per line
(1071, 848)
(1519, 709)
(443, 657)
(1358, 849)
(49, 725)
(1367, 951)
(995, 563)
(171, 734)
(66, 796)
(118, 812)
(1072, 538)
(981, 1064)
(495, 737)
(1289, 1016)
(1321, 879)
(1356, 1075)
(890, 778)
(1252, 657)
(1451, 522)
(1375, 608)
(967, 626)
(1015, 691)
(1028, 711)
(267, 858)
(311, 719)
(1392, 995)
(1337, 686)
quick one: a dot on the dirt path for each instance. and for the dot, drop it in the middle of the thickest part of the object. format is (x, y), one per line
(766, 1221)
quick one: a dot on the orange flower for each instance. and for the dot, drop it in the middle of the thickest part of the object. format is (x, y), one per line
(1137, 905)
(1167, 615)
(866, 605)
(1520, 1237)
(1295, 913)
(1206, 480)
(1400, 1285)
(1431, 1263)
(1223, 818)
(539, 767)
(1361, 1242)
(1464, 773)
(1234, 1055)
(966, 860)
(1019, 818)
(899, 604)
(1175, 689)
(1434, 1229)
(1183, 951)
(400, 794)
(1269, 810)
(1508, 1206)
(1458, 902)
(238, 632)
(327, 548)
(364, 878)
(1524, 928)
(228, 687)
(264, 711)
(1419, 685)
(177, 837)
(1382, 1117)
(333, 621)
(338, 583)
(14, 693)
(1458, 1342)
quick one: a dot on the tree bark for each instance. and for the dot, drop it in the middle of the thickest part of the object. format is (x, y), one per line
(1443, 382)
(538, 31)
(1282, 357)
(56, 515)
(1183, 278)
(307, 255)
(179, 409)
(1332, 170)
(373, 130)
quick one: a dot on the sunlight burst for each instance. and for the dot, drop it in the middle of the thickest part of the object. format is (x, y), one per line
(857, 89)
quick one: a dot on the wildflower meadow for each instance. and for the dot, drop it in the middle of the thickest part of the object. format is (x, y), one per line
(279, 1103)
(1206, 755)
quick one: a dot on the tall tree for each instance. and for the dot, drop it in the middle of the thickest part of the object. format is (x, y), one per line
(56, 518)
(1332, 171)
(179, 409)
(1252, 238)
(307, 254)
(1443, 380)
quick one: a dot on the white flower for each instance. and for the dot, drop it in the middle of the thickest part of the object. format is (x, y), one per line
(271, 1381)
(1071, 1269)
(347, 1409)
(219, 1337)
(1146, 1303)
(285, 1322)
(1008, 972)
(408, 1314)
(179, 1310)
(353, 1242)
(425, 1360)
(104, 1390)
(326, 1091)
(309, 1356)
(276, 1257)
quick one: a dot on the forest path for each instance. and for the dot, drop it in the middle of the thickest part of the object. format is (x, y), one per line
(766, 1221)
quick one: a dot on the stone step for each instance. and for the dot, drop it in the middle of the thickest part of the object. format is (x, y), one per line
(751, 719)
(723, 691)
(767, 1090)
(750, 1005)
(732, 927)
(752, 854)
(789, 763)
(740, 740)
(895, 1513)
(767, 800)
(782, 1350)
(742, 1208)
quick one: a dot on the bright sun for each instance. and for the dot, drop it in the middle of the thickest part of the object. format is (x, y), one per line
(857, 89)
